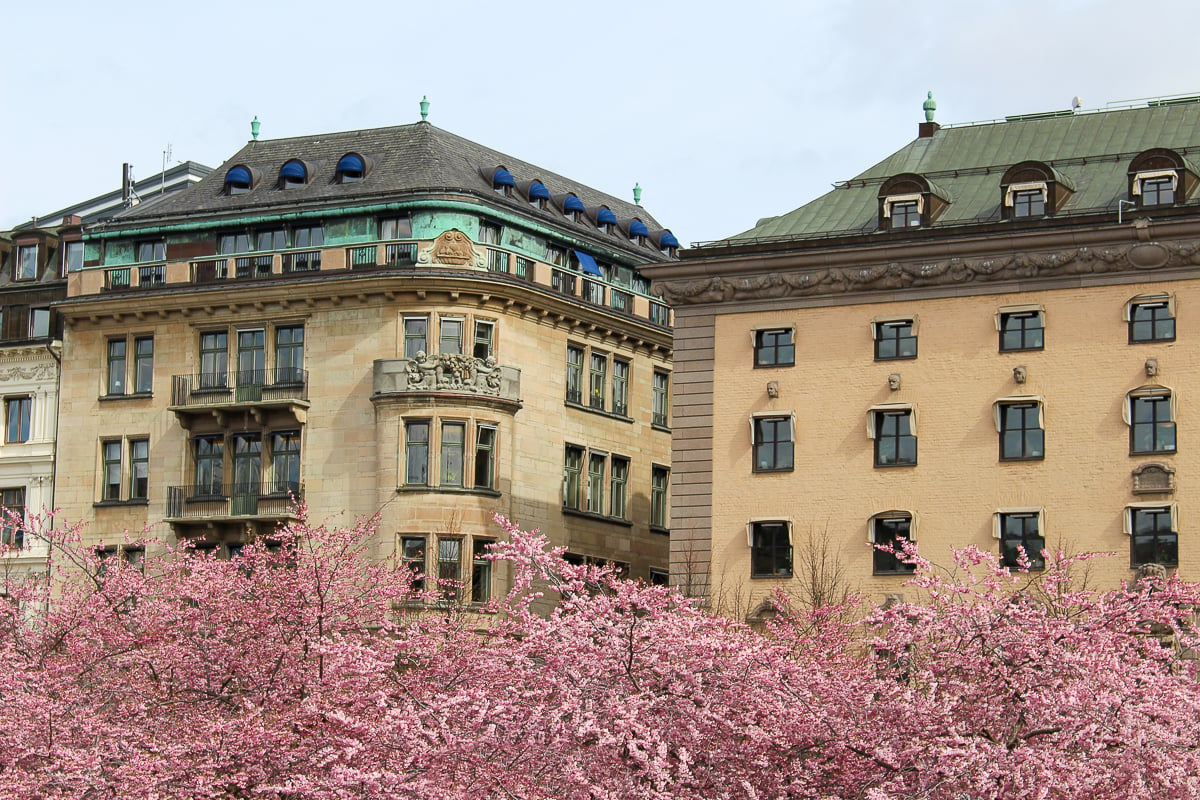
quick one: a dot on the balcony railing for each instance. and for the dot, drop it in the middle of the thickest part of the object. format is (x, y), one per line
(117, 278)
(206, 501)
(239, 387)
(247, 267)
(660, 314)
(562, 281)
(497, 261)
(453, 373)
(307, 261)
(154, 275)
(593, 292)
(620, 300)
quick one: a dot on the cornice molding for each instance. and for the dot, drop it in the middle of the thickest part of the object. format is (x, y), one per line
(1027, 267)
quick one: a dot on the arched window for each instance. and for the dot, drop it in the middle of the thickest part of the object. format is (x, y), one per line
(909, 201)
(1031, 189)
(293, 175)
(1160, 177)
(238, 180)
(351, 168)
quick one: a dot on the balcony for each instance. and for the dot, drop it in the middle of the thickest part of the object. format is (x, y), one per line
(257, 392)
(269, 501)
(390, 254)
(449, 374)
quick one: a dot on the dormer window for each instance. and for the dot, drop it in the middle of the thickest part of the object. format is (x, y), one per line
(539, 195)
(351, 168)
(910, 201)
(606, 220)
(1160, 177)
(1032, 189)
(573, 208)
(1029, 201)
(238, 180)
(638, 231)
(503, 181)
(1157, 189)
(293, 175)
(667, 243)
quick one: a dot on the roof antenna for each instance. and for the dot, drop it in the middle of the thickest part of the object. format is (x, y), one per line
(1076, 103)
(424, 107)
(162, 189)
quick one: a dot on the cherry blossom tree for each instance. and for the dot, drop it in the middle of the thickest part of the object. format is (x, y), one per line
(307, 670)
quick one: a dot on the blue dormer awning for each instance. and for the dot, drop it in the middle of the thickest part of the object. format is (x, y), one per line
(638, 228)
(538, 191)
(350, 163)
(605, 216)
(293, 169)
(572, 203)
(588, 264)
(502, 177)
(668, 240)
(239, 176)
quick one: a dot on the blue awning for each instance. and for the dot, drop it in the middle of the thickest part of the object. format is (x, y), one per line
(350, 163)
(638, 228)
(239, 176)
(502, 177)
(668, 240)
(293, 169)
(572, 203)
(588, 264)
(605, 216)
(538, 191)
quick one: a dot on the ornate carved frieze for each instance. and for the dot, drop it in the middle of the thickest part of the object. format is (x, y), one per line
(31, 372)
(917, 274)
(453, 247)
(449, 372)
(1153, 479)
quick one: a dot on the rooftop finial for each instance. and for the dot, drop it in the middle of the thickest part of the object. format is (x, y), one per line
(930, 106)
(254, 126)
(637, 194)
(424, 107)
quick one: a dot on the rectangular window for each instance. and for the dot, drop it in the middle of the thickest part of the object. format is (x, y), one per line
(143, 364)
(597, 380)
(620, 387)
(285, 462)
(1153, 538)
(1151, 321)
(72, 257)
(895, 443)
(905, 214)
(895, 339)
(774, 348)
(574, 374)
(481, 571)
(489, 233)
(416, 453)
(416, 341)
(139, 469)
(450, 568)
(453, 435)
(289, 354)
(252, 357)
(485, 452)
(556, 256)
(450, 334)
(412, 556)
(618, 480)
(12, 526)
(111, 454)
(1021, 434)
(1159, 191)
(659, 577)
(230, 243)
(773, 444)
(485, 332)
(1022, 330)
(890, 532)
(595, 489)
(116, 366)
(660, 478)
(39, 323)
(572, 475)
(151, 251)
(308, 236)
(210, 466)
(1029, 203)
(1017, 531)
(771, 550)
(395, 228)
(214, 360)
(661, 393)
(27, 262)
(16, 416)
(275, 239)
(1152, 426)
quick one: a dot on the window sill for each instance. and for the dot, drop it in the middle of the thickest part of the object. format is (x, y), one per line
(138, 501)
(892, 466)
(660, 530)
(781, 577)
(1151, 341)
(104, 398)
(575, 512)
(1022, 349)
(597, 411)
(907, 573)
(1152, 452)
(772, 470)
(448, 490)
(1019, 459)
(895, 358)
(660, 427)
(781, 365)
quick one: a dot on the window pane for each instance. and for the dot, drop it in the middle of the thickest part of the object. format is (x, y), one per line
(452, 453)
(416, 443)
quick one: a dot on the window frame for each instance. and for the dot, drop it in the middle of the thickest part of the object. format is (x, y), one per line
(1008, 313)
(208, 467)
(13, 500)
(20, 261)
(660, 395)
(573, 476)
(883, 562)
(1034, 402)
(880, 325)
(783, 354)
(411, 337)
(1002, 535)
(782, 459)
(286, 450)
(776, 554)
(111, 454)
(447, 450)
(1159, 396)
(413, 447)
(877, 417)
(1169, 511)
(1158, 301)
(660, 494)
(620, 386)
(139, 462)
(618, 487)
(18, 428)
(597, 380)
(485, 454)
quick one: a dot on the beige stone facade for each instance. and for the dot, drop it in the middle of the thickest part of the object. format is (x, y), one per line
(838, 391)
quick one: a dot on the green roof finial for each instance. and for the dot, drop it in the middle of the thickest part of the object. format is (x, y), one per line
(637, 194)
(254, 126)
(424, 107)
(930, 106)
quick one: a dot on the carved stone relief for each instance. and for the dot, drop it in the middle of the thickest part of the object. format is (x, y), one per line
(452, 372)
(1153, 479)
(952, 271)
(452, 247)
(37, 372)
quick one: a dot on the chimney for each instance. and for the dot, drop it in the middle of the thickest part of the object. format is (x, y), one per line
(72, 219)
(126, 184)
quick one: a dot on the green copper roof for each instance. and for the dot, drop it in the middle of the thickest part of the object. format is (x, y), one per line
(1090, 151)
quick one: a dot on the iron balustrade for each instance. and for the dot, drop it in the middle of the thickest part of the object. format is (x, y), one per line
(620, 300)
(497, 261)
(246, 267)
(593, 292)
(562, 281)
(255, 386)
(155, 275)
(660, 314)
(307, 261)
(399, 255)
(117, 278)
(205, 500)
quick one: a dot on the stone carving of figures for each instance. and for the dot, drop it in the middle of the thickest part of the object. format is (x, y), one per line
(482, 374)
(430, 371)
(413, 377)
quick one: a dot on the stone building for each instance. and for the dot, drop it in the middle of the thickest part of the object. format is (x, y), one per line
(395, 322)
(984, 339)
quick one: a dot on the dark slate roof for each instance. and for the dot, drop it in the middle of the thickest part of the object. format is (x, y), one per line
(402, 160)
(1093, 150)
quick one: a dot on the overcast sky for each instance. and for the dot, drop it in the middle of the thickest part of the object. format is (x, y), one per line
(725, 112)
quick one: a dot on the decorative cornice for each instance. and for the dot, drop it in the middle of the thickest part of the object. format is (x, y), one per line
(1045, 265)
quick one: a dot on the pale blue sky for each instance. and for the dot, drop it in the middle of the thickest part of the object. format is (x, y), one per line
(724, 112)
